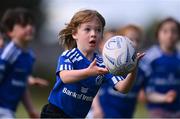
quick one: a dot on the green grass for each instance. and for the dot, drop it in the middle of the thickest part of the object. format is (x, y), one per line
(21, 113)
(39, 98)
(141, 111)
(40, 95)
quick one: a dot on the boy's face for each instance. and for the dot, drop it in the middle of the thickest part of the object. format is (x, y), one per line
(168, 35)
(22, 33)
(88, 35)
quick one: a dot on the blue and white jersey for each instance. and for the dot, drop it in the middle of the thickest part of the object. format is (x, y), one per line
(15, 67)
(162, 72)
(1, 50)
(75, 99)
(117, 105)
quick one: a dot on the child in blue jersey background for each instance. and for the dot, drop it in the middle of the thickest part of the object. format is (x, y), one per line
(110, 103)
(80, 71)
(161, 67)
(31, 79)
(16, 61)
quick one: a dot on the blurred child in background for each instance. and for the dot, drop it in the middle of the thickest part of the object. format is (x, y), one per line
(110, 103)
(16, 61)
(161, 67)
(133, 32)
(31, 79)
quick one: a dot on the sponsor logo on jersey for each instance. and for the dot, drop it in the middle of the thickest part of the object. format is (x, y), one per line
(84, 90)
(76, 95)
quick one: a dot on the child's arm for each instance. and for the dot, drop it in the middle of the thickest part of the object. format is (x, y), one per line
(141, 96)
(37, 81)
(156, 97)
(96, 108)
(125, 85)
(27, 102)
(70, 76)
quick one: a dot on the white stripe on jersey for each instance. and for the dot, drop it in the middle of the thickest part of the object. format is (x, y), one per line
(77, 59)
(65, 66)
(119, 78)
(114, 79)
(61, 68)
(15, 57)
(64, 53)
(10, 53)
(72, 55)
(77, 55)
(67, 61)
(72, 51)
(69, 67)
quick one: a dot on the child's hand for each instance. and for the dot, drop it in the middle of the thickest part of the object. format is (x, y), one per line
(139, 56)
(95, 70)
(170, 96)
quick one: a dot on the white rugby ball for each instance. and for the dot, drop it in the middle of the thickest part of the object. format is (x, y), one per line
(119, 55)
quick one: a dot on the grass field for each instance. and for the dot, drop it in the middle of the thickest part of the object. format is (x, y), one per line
(39, 97)
(21, 113)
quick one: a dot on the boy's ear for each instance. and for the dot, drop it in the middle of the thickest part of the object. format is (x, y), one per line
(74, 35)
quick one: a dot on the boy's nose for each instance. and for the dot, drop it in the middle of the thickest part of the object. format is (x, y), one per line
(93, 33)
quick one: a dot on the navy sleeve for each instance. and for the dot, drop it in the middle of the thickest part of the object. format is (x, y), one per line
(113, 80)
(64, 63)
(7, 58)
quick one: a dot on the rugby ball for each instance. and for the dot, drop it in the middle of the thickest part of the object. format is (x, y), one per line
(119, 55)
